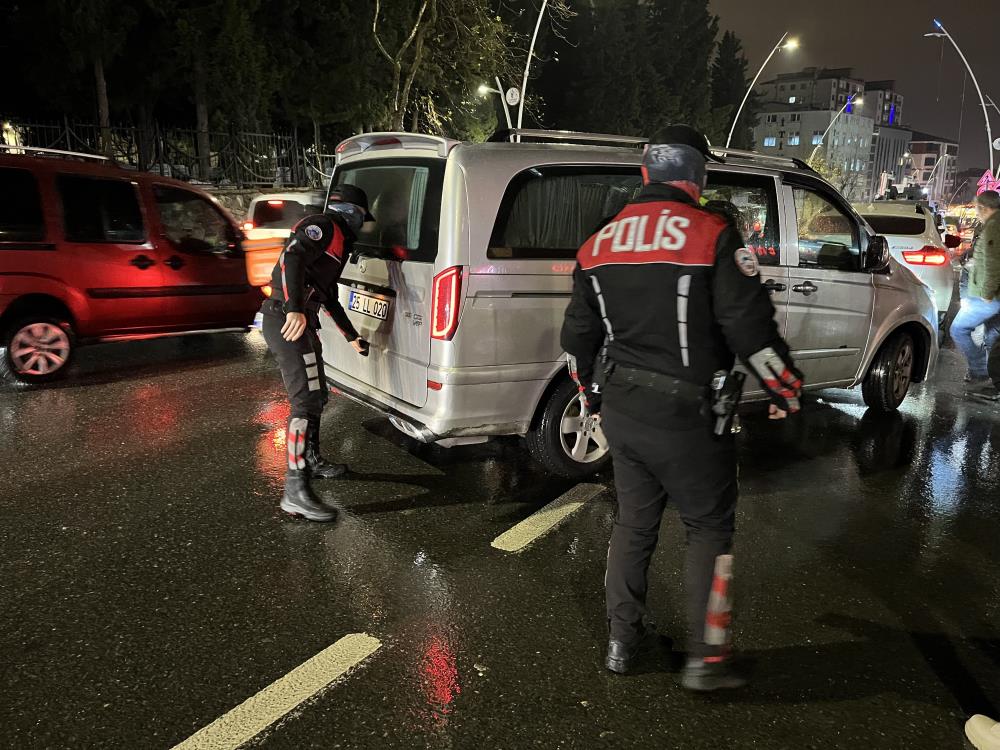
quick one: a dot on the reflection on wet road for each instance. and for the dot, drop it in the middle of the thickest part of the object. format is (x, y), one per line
(149, 584)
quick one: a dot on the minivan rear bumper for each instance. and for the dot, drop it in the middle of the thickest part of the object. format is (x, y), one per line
(455, 411)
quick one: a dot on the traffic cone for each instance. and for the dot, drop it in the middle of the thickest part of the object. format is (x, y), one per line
(719, 613)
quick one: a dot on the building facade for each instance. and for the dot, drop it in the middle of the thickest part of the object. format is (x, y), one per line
(935, 165)
(887, 164)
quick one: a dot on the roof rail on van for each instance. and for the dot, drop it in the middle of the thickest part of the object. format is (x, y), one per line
(782, 161)
(54, 152)
(571, 136)
(357, 144)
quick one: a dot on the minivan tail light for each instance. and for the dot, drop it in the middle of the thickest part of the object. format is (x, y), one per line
(276, 203)
(444, 306)
(928, 255)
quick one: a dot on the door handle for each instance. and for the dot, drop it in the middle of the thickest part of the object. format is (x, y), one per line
(142, 262)
(175, 262)
(807, 288)
(774, 286)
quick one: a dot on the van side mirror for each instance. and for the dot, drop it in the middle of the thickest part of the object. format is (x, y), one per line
(952, 241)
(877, 255)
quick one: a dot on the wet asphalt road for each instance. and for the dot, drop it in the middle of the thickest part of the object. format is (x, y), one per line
(149, 584)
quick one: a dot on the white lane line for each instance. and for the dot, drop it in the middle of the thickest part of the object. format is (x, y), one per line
(543, 521)
(255, 714)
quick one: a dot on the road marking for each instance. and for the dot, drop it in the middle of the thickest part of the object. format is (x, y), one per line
(257, 713)
(543, 521)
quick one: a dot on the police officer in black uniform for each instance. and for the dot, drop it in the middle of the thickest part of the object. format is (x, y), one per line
(667, 294)
(305, 279)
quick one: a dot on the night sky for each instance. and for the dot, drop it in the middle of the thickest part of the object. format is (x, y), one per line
(884, 40)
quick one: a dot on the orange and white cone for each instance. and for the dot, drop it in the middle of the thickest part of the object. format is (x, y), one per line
(719, 613)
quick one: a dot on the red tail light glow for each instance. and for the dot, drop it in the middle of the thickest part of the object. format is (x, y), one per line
(928, 255)
(444, 306)
(276, 203)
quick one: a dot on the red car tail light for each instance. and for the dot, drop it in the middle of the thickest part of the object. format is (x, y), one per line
(444, 305)
(926, 256)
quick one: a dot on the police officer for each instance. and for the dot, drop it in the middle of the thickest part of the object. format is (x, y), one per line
(303, 280)
(668, 294)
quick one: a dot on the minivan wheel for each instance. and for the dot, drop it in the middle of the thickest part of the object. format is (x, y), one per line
(888, 379)
(565, 442)
(36, 349)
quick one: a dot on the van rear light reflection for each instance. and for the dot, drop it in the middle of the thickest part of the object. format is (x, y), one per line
(926, 256)
(444, 306)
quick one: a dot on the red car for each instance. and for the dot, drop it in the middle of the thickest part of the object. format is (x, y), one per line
(92, 252)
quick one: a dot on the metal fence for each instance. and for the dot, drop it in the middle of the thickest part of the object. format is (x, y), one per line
(234, 159)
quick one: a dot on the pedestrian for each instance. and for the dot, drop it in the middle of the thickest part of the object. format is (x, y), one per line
(667, 293)
(983, 732)
(981, 305)
(303, 280)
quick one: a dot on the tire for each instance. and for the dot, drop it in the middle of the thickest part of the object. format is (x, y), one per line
(36, 349)
(889, 377)
(553, 448)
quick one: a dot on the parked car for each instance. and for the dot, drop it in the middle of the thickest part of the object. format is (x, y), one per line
(91, 252)
(464, 330)
(916, 243)
(273, 215)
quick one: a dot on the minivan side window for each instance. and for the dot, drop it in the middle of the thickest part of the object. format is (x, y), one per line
(753, 204)
(100, 210)
(828, 236)
(548, 212)
(191, 223)
(20, 207)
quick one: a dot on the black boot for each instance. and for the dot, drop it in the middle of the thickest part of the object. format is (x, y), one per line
(705, 676)
(621, 655)
(318, 466)
(299, 499)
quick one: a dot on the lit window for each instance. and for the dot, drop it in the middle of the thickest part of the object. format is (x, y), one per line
(770, 141)
(791, 100)
(793, 140)
(817, 139)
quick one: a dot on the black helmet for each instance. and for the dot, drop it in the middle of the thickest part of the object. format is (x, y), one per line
(350, 194)
(684, 135)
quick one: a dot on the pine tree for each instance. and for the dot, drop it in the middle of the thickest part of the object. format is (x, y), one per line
(729, 85)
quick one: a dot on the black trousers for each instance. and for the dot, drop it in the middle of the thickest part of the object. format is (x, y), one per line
(993, 365)
(301, 362)
(653, 465)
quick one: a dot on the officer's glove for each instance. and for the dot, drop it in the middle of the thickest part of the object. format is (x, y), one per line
(780, 378)
(361, 346)
(592, 399)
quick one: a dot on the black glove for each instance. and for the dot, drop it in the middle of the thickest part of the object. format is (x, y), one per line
(780, 378)
(365, 346)
(593, 397)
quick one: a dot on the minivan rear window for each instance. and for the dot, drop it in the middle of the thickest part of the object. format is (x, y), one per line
(281, 214)
(548, 212)
(20, 207)
(885, 224)
(404, 196)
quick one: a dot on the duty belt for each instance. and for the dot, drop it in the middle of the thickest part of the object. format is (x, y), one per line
(657, 381)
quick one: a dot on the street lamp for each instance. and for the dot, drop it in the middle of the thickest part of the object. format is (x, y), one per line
(852, 99)
(791, 44)
(484, 90)
(943, 33)
(527, 65)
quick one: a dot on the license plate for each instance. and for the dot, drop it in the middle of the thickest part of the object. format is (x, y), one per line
(373, 307)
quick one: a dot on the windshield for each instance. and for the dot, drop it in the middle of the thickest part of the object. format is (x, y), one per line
(888, 224)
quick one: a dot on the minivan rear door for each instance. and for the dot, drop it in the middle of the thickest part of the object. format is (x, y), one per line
(387, 285)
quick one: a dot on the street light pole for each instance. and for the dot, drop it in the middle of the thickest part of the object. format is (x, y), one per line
(527, 65)
(982, 100)
(484, 90)
(851, 99)
(781, 42)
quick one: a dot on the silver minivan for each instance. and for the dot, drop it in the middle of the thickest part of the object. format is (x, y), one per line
(462, 282)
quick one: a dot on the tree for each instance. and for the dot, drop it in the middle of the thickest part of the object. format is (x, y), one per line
(94, 32)
(729, 85)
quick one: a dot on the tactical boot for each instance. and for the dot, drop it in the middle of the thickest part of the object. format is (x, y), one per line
(622, 655)
(299, 499)
(704, 676)
(318, 466)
